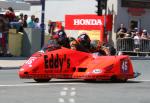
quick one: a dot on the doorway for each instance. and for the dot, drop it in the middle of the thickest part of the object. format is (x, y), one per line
(133, 24)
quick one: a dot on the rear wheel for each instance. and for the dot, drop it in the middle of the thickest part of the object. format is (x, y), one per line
(114, 79)
(123, 80)
(42, 80)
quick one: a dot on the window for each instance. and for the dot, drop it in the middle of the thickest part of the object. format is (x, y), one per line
(136, 3)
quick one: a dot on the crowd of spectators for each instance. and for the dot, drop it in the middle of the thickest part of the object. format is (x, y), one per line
(18, 22)
(123, 32)
(22, 20)
(140, 38)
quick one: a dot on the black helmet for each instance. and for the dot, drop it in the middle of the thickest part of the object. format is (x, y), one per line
(84, 40)
(62, 38)
(61, 35)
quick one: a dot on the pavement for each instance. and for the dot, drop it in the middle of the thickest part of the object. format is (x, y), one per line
(11, 62)
(16, 62)
(140, 57)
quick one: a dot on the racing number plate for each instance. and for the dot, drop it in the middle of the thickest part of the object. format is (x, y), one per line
(124, 66)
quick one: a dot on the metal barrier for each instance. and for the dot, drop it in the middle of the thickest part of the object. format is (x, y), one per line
(131, 45)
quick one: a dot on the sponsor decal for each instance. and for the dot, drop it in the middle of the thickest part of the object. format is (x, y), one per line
(87, 22)
(84, 22)
(56, 61)
(96, 71)
(30, 61)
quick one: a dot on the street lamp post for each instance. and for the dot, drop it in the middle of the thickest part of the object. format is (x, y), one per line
(102, 5)
(42, 22)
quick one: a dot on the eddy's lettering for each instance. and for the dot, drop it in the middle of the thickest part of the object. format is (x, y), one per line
(56, 61)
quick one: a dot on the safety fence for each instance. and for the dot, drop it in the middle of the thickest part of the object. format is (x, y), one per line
(134, 46)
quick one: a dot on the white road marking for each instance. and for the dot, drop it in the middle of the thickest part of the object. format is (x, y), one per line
(71, 100)
(65, 88)
(73, 88)
(63, 93)
(61, 100)
(73, 93)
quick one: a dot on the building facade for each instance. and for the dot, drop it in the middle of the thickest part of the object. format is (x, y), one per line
(132, 13)
(128, 12)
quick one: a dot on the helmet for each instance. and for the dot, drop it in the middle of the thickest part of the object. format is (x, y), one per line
(84, 40)
(61, 35)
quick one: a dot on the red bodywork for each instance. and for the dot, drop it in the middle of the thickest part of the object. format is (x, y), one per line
(66, 64)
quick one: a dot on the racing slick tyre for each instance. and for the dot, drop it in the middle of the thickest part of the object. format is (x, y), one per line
(42, 80)
(90, 80)
(123, 80)
(114, 79)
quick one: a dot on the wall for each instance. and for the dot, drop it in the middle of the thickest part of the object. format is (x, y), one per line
(57, 9)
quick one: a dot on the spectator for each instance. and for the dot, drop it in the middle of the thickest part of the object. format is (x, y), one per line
(31, 23)
(145, 34)
(21, 26)
(25, 21)
(21, 22)
(137, 38)
(10, 15)
(121, 31)
(52, 27)
(21, 16)
(37, 24)
(132, 32)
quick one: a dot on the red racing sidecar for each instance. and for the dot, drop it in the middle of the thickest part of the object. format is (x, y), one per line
(64, 63)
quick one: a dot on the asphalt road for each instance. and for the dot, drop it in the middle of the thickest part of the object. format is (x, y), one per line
(15, 90)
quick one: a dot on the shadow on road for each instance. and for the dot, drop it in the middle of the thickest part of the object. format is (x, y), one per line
(82, 81)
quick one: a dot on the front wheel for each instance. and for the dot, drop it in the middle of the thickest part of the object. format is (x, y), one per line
(42, 80)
